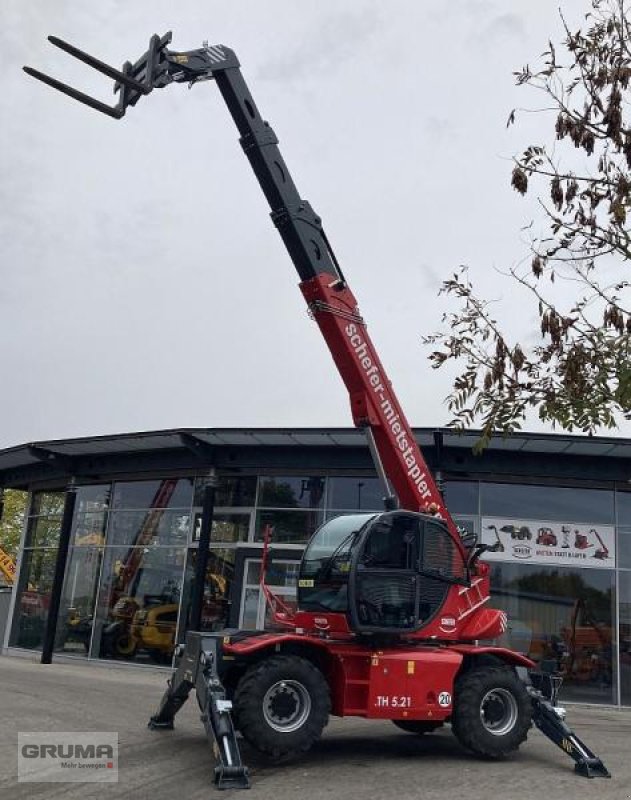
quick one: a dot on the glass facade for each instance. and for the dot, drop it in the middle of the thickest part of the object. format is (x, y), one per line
(625, 636)
(132, 556)
(37, 570)
(133, 551)
(563, 618)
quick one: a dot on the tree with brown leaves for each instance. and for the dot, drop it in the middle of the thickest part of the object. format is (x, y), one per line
(579, 375)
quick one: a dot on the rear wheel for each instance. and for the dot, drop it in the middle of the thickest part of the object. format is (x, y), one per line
(417, 726)
(492, 711)
(281, 706)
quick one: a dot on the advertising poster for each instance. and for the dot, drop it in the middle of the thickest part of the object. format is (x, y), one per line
(567, 544)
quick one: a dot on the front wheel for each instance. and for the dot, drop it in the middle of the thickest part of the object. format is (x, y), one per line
(281, 706)
(492, 711)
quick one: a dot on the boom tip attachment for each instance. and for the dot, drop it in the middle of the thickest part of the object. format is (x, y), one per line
(133, 81)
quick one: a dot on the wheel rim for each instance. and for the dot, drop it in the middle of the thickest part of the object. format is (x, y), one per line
(498, 711)
(286, 706)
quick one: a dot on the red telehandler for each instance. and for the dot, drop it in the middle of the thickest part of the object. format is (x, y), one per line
(391, 605)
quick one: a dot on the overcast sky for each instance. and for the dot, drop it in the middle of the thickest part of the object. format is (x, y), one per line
(143, 283)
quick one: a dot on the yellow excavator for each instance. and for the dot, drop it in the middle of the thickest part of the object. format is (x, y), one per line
(7, 567)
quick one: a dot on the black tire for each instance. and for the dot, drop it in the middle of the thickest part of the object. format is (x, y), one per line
(281, 706)
(417, 726)
(492, 711)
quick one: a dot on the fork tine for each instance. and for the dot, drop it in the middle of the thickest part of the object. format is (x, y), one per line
(114, 112)
(101, 66)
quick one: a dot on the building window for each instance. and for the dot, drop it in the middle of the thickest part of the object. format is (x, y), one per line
(292, 506)
(78, 600)
(230, 492)
(154, 526)
(462, 497)
(138, 603)
(291, 492)
(45, 503)
(625, 637)
(547, 502)
(217, 590)
(228, 527)
(623, 507)
(37, 570)
(165, 493)
(282, 577)
(624, 548)
(289, 527)
(81, 582)
(355, 494)
(33, 598)
(562, 618)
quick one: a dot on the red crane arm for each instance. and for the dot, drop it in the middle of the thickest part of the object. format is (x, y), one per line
(373, 402)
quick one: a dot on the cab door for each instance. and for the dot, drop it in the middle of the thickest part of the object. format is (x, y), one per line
(384, 580)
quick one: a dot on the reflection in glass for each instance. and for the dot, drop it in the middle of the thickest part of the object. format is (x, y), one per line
(230, 492)
(33, 598)
(165, 493)
(625, 637)
(228, 528)
(290, 527)
(623, 507)
(282, 575)
(43, 531)
(93, 498)
(462, 497)
(562, 617)
(268, 621)
(217, 589)
(356, 493)
(47, 503)
(249, 620)
(546, 502)
(279, 573)
(138, 603)
(78, 599)
(467, 525)
(88, 528)
(291, 492)
(157, 526)
(624, 548)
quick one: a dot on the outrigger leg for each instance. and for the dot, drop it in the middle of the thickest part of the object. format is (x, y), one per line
(197, 668)
(550, 719)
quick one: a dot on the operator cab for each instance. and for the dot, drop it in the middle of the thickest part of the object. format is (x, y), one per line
(388, 572)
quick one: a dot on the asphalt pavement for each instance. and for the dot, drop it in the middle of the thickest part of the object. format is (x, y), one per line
(356, 759)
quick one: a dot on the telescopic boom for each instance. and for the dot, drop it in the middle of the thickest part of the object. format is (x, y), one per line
(374, 406)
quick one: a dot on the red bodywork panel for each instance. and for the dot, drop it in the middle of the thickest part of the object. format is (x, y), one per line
(461, 617)
(404, 682)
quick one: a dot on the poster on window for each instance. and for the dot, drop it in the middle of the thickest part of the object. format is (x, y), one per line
(567, 544)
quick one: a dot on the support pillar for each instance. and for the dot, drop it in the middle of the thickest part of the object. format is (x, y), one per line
(48, 644)
(208, 510)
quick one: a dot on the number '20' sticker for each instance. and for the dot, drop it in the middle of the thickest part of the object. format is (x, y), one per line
(444, 699)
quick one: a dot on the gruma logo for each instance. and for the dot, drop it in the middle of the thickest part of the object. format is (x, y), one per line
(91, 751)
(68, 757)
